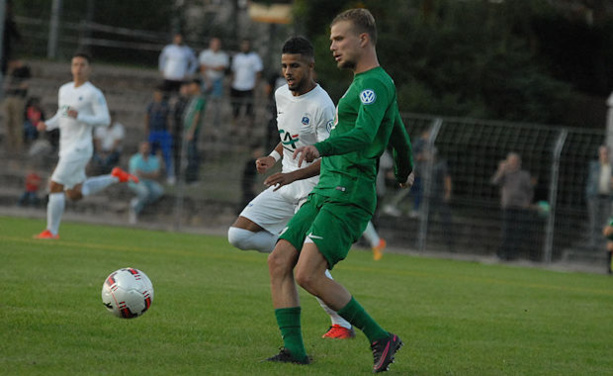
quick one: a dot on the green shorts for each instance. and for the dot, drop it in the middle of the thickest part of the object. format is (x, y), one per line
(333, 226)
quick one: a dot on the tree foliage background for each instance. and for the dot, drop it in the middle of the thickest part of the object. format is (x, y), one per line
(520, 60)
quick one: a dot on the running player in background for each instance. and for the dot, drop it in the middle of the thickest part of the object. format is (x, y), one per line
(81, 106)
(340, 206)
(305, 113)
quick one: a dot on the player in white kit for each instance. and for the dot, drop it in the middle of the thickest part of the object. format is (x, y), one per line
(81, 107)
(305, 114)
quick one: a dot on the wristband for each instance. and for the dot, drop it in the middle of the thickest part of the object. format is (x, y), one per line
(275, 154)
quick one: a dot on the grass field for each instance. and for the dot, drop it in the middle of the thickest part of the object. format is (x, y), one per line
(212, 313)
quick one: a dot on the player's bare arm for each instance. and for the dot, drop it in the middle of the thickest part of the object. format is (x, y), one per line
(280, 178)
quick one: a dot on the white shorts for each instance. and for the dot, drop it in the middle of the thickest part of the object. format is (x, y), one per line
(270, 210)
(70, 172)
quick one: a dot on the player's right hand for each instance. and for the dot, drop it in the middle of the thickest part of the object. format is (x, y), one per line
(262, 164)
(41, 126)
(279, 180)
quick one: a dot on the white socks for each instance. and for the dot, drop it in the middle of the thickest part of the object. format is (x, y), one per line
(55, 209)
(262, 241)
(97, 183)
(334, 317)
(371, 235)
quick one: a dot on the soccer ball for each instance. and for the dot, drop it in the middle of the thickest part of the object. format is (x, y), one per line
(127, 293)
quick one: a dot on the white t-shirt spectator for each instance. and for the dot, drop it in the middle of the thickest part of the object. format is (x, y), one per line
(177, 62)
(212, 59)
(245, 68)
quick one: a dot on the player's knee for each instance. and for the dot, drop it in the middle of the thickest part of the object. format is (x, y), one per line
(305, 279)
(239, 237)
(278, 265)
(74, 195)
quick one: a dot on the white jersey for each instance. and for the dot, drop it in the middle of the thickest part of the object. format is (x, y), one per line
(212, 59)
(302, 120)
(177, 62)
(245, 67)
(76, 134)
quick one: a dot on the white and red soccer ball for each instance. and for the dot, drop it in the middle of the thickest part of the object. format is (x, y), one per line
(127, 293)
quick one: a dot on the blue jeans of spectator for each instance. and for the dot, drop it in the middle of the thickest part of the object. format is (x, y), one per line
(216, 89)
(147, 192)
(417, 191)
(29, 198)
(30, 133)
(163, 140)
(105, 163)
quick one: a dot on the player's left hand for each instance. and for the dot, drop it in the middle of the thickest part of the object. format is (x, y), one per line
(279, 180)
(72, 113)
(409, 182)
(307, 153)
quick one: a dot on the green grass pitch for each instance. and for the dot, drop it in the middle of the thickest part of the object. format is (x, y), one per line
(212, 313)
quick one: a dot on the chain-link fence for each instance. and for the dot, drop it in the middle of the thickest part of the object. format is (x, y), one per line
(459, 157)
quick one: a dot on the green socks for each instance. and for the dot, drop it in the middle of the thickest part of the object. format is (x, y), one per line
(289, 324)
(358, 317)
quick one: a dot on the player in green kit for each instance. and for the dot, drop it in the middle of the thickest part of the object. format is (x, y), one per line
(340, 206)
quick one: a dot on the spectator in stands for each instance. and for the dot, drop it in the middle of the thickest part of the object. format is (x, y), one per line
(598, 194)
(32, 115)
(192, 122)
(275, 81)
(15, 91)
(607, 231)
(213, 65)
(249, 187)
(246, 71)
(157, 130)
(147, 168)
(30, 195)
(10, 35)
(422, 153)
(177, 130)
(108, 145)
(516, 194)
(177, 62)
(439, 197)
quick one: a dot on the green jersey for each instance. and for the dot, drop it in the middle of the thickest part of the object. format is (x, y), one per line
(195, 106)
(367, 119)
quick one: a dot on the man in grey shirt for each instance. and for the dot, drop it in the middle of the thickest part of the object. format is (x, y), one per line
(517, 192)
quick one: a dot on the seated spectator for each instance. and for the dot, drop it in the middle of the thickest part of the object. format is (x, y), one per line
(33, 114)
(30, 195)
(108, 146)
(147, 168)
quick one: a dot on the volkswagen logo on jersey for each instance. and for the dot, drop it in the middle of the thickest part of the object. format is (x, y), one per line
(305, 120)
(368, 96)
